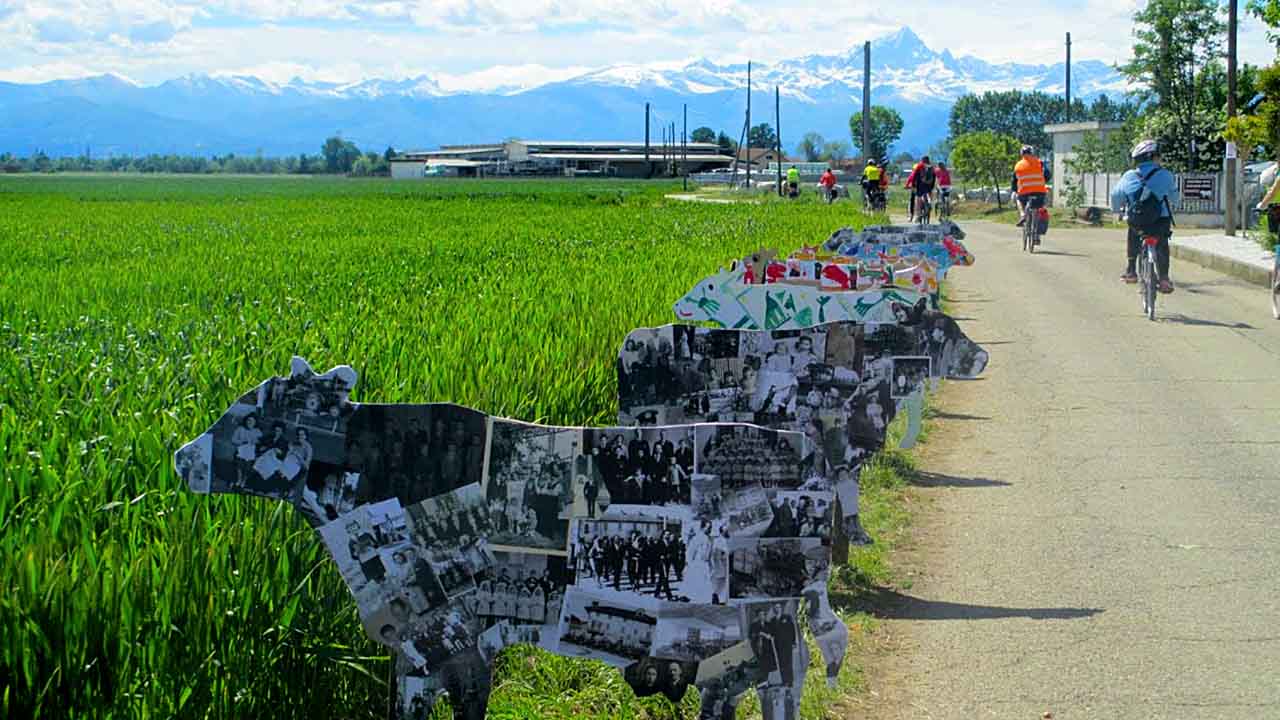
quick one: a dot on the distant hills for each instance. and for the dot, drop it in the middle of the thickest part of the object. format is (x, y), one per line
(206, 115)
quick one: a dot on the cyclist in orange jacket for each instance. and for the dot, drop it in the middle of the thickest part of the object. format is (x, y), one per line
(1030, 183)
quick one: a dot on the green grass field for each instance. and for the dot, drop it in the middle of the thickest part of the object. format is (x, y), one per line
(134, 310)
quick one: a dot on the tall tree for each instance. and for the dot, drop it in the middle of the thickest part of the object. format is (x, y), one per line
(339, 155)
(726, 143)
(835, 151)
(702, 134)
(762, 136)
(886, 128)
(986, 156)
(810, 147)
(1173, 41)
(1018, 114)
(1268, 11)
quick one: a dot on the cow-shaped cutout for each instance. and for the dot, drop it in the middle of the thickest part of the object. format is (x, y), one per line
(840, 383)
(895, 243)
(459, 533)
(726, 301)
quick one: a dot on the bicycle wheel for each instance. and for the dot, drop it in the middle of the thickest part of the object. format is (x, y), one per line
(1275, 288)
(1150, 285)
(1026, 234)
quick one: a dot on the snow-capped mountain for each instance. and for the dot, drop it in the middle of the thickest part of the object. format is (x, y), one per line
(235, 113)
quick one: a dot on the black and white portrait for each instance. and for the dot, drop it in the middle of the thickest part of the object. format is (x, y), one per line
(530, 485)
(909, 375)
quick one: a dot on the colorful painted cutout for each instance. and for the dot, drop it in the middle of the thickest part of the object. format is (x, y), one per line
(725, 300)
(459, 534)
(940, 244)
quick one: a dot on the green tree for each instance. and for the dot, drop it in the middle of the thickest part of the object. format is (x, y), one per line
(726, 143)
(339, 155)
(985, 155)
(1174, 40)
(941, 151)
(1090, 154)
(1268, 11)
(1021, 115)
(835, 151)
(886, 128)
(703, 134)
(810, 147)
(762, 136)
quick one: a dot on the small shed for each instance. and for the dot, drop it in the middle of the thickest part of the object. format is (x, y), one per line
(1065, 137)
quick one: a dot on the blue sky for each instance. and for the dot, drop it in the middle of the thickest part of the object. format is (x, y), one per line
(478, 44)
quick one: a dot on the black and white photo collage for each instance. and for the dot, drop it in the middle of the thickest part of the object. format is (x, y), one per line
(652, 548)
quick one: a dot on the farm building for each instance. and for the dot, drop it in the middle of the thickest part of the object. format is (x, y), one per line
(542, 157)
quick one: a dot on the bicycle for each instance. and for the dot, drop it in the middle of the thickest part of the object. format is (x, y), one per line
(1148, 280)
(944, 204)
(923, 209)
(1030, 229)
(1275, 285)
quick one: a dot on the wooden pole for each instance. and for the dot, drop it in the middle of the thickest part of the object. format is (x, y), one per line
(777, 120)
(1067, 114)
(647, 167)
(1229, 199)
(866, 102)
(748, 125)
(684, 147)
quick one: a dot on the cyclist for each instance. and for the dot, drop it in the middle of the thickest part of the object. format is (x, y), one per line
(944, 183)
(828, 183)
(1145, 184)
(870, 181)
(921, 181)
(1029, 183)
(793, 181)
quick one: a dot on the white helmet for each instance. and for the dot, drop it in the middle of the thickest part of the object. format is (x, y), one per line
(1144, 147)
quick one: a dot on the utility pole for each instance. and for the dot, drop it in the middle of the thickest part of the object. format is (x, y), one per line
(1067, 115)
(777, 120)
(748, 126)
(1232, 151)
(648, 169)
(684, 147)
(866, 102)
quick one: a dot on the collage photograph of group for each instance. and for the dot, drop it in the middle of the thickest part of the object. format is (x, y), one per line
(459, 534)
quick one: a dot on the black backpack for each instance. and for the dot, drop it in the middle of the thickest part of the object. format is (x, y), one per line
(927, 177)
(1145, 212)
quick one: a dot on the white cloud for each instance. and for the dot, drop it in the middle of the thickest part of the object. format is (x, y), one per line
(487, 44)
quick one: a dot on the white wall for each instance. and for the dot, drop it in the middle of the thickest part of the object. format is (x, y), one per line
(407, 169)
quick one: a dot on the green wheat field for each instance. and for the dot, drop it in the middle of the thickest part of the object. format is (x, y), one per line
(134, 310)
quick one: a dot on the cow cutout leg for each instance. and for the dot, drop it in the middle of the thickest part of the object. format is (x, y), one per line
(829, 631)
(781, 701)
(468, 681)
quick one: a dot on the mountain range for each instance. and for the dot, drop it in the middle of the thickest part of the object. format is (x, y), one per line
(218, 114)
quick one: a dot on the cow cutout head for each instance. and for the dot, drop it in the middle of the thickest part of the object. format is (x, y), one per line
(264, 443)
(709, 299)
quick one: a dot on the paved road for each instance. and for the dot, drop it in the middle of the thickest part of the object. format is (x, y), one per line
(1104, 540)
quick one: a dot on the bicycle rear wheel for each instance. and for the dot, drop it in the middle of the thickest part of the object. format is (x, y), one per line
(1275, 291)
(1149, 282)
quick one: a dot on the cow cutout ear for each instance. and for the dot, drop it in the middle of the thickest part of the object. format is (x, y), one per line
(299, 367)
(917, 312)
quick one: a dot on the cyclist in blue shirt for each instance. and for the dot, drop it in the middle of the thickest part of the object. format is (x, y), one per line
(1160, 183)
